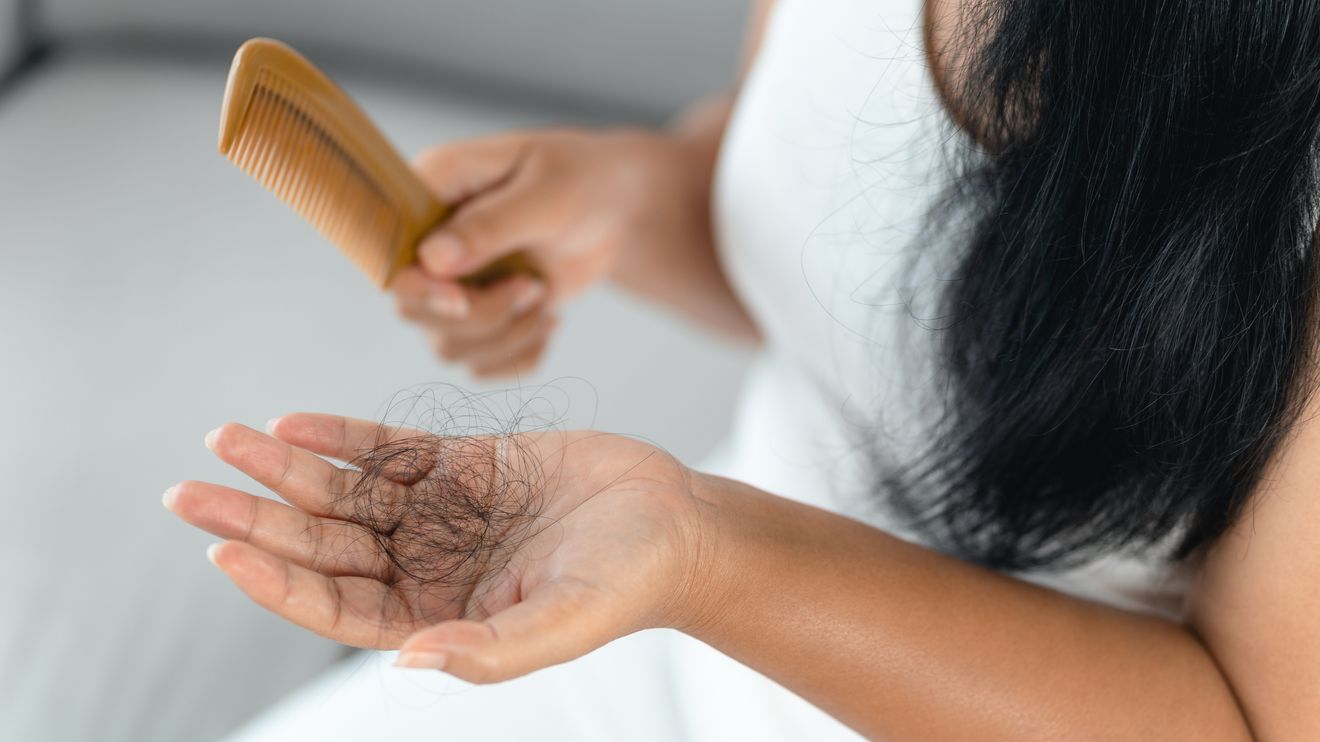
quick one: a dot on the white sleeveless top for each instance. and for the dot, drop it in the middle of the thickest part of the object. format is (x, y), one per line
(830, 164)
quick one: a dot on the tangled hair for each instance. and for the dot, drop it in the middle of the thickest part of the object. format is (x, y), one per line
(449, 490)
(1132, 319)
(461, 506)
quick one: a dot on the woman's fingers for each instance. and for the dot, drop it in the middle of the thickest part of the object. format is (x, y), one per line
(343, 438)
(485, 353)
(331, 547)
(423, 299)
(515, 216)
(353, 610)
(496, 213)
(299, 476)
(500, 330)
(520, 364)
(474, 459)
(557, 622)
(457, 171)
(487, 312)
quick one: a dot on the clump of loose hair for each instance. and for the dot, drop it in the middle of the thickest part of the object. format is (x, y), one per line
(449, 491)
(446, 509)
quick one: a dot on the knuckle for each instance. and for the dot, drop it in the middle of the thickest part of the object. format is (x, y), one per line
(538, 159)
(288, 467)
(253, 515)
(536, 151)
(494, 313)
(336, 484)
(476, 228)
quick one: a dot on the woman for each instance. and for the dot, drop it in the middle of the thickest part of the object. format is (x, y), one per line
(1067, 387)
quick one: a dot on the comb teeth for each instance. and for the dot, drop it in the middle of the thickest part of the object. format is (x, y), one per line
(284, 145)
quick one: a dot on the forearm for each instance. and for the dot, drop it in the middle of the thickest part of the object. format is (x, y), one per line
(684, 273)
(901, 642)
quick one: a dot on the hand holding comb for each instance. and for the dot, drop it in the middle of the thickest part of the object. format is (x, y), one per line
(290, 127)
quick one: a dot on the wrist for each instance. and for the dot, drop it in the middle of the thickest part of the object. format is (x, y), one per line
(666, 211)
(716, 571)
(668, 162)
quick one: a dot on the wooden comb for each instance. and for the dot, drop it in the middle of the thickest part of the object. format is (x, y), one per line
(290, 127)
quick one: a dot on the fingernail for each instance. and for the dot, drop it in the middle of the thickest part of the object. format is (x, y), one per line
(210, 553)
(422, 660)
(210, 438)
(170, 496)
(441, 253)
(448, 305)
(270, 425)
(528, 297)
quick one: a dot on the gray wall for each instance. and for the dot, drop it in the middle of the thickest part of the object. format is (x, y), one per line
(637, 54)
(9, 41)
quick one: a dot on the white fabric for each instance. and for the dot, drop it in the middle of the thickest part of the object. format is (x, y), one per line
(827, 170)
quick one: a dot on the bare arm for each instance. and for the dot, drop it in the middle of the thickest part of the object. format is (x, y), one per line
(904, 643)
(1258, 599)
(687, 276)
(684, 274)
(900, 642)
(893, 639)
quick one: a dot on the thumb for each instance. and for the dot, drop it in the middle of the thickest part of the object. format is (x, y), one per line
(510, 218)
(457, 171)
(557, 623)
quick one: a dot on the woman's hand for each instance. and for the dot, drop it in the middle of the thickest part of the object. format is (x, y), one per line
(573, 201)
(487, 557)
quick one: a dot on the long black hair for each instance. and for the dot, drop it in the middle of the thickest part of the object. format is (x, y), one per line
(1132, 320)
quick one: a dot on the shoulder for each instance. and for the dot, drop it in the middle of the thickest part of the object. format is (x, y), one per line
(1256, 603)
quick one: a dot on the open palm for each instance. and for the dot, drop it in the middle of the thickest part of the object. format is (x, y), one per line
(487, 557)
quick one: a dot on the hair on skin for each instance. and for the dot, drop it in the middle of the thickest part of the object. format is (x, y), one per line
(448, 491)
(444, 510)
(1131, 323)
